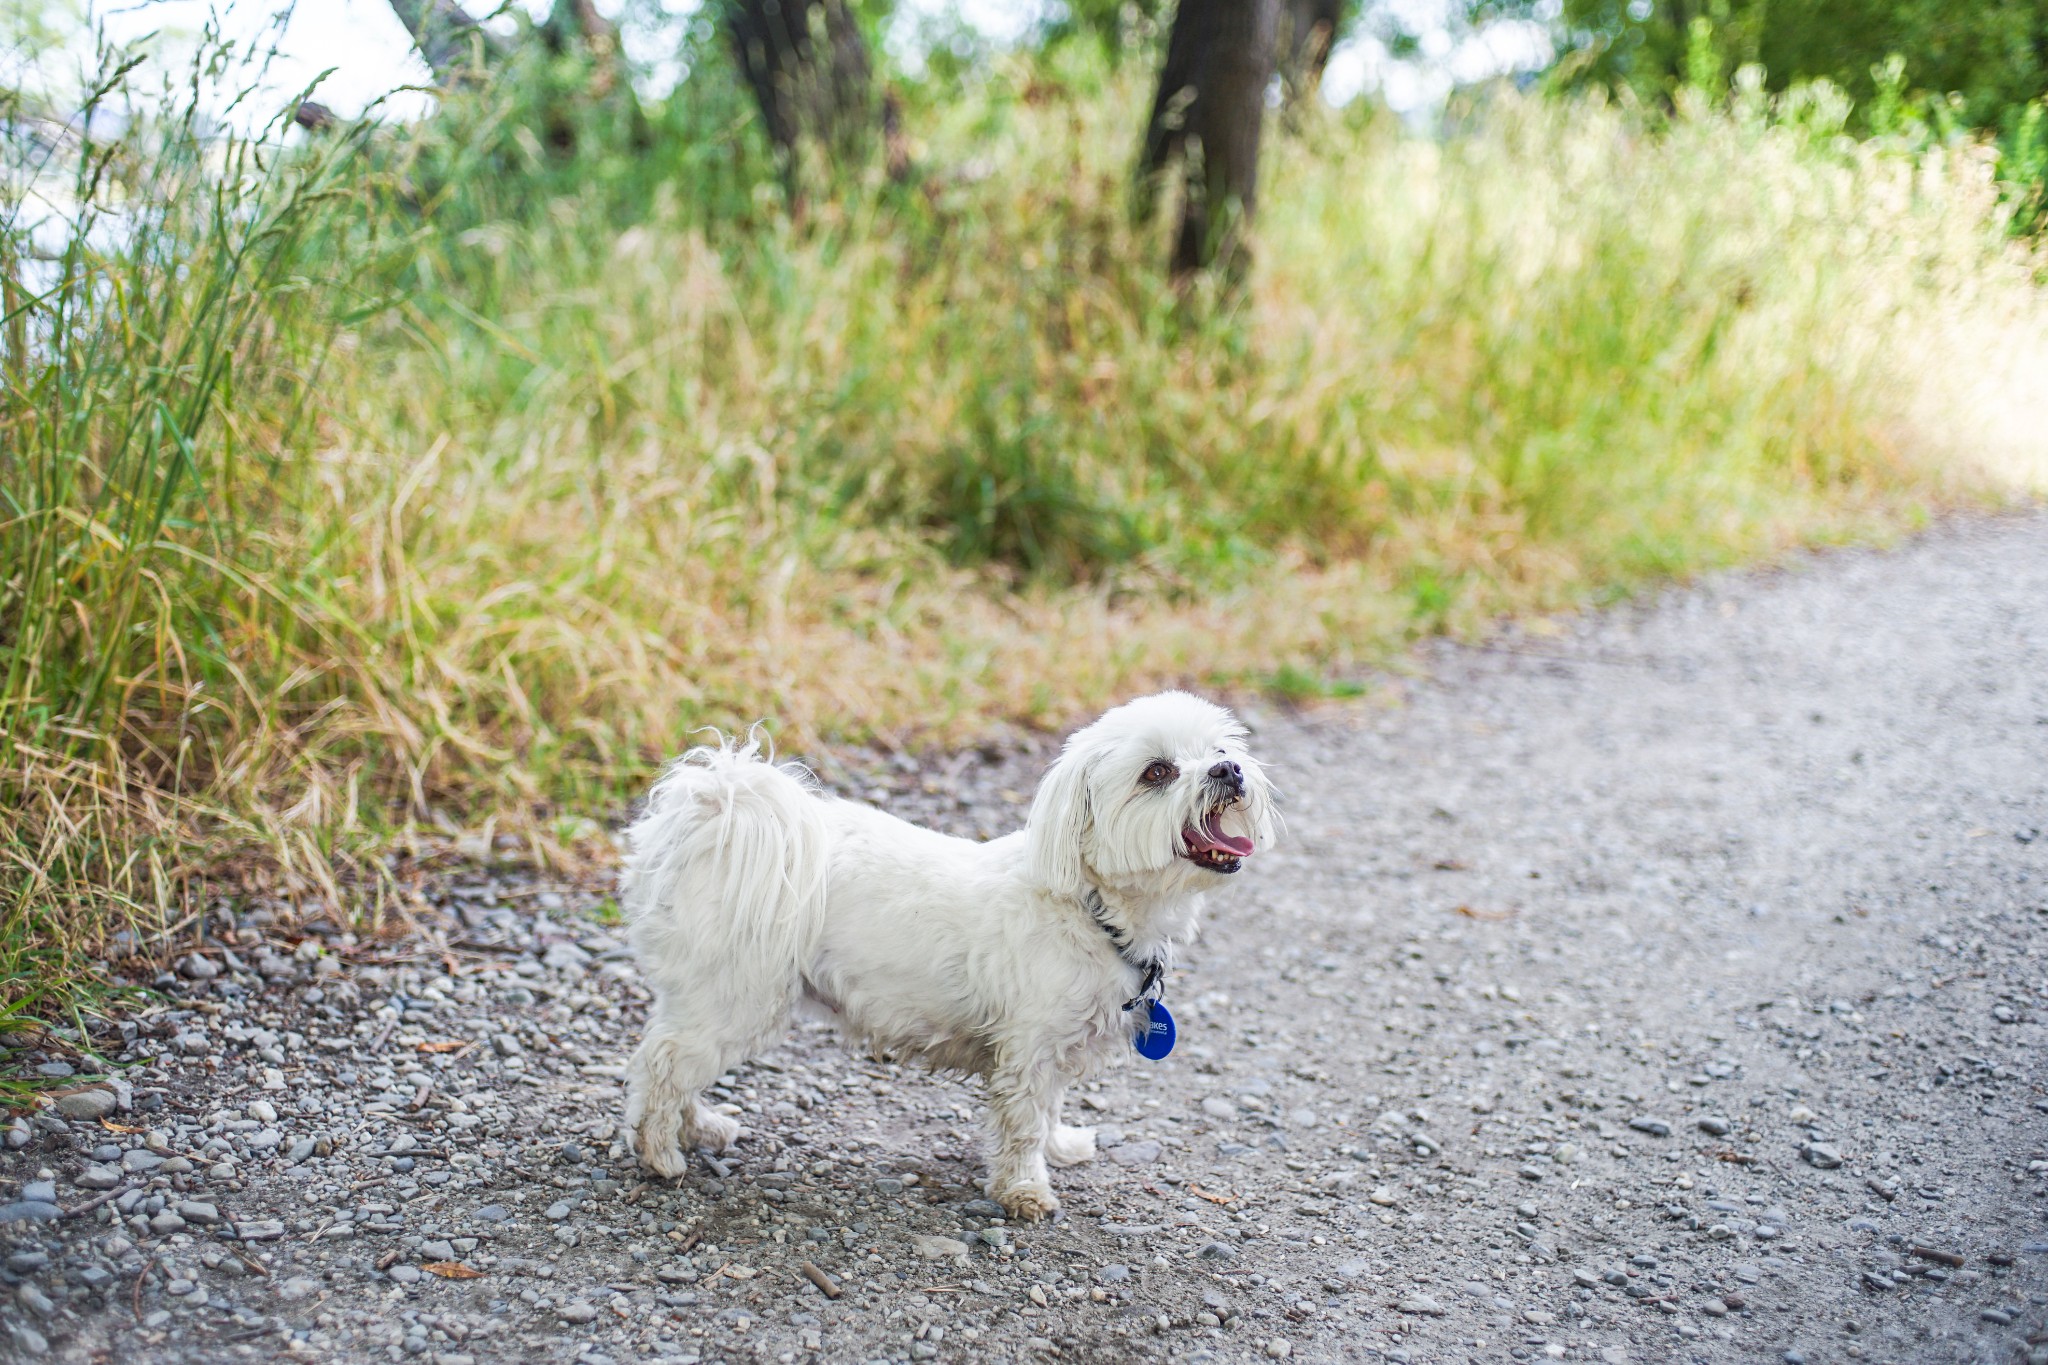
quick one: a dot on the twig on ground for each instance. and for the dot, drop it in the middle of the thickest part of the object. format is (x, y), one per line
(80, 1210)
(818, 1277)
(135, 1295)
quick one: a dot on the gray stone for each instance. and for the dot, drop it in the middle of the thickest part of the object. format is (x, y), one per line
(1654, 1127)
(199, 1212)
(1421, 1303)
(40, 1191)
(87, 1105)
(199, 968)
(1113, 1274)
(1716, 1127)
(565, 957)
(1217, 1251)
(1821, 1155)
(405, 1274)
(97, 1178)
(36, 1301)
(581, 1310)
(1142, 1153)
(298, 1287)
(260, 1230)
(940, 1248)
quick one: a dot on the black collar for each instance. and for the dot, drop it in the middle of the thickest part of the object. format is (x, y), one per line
(1150, 969)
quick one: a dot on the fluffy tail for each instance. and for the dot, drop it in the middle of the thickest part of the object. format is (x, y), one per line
(723, 890)
(727, 863)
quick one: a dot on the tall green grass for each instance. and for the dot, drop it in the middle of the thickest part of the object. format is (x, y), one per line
(441, 477)
(161, 339)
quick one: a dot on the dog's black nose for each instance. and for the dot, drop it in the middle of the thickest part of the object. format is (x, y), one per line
(1228, 774)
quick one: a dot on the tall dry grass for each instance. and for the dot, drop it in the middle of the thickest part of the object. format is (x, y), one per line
(508, 488)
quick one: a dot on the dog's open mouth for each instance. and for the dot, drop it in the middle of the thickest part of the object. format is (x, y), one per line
(1210, 847)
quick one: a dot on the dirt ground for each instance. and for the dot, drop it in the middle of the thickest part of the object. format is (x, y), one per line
(1665, 987)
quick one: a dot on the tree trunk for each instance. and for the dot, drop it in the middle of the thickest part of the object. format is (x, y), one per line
(1206, 119)
(445, 34)
(1308, 29)
(807, 64)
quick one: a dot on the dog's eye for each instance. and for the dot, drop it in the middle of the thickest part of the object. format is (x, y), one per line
(1160, 772)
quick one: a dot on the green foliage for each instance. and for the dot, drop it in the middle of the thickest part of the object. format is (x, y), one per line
(1924, 69)
(2023, 167)
(1994, 55)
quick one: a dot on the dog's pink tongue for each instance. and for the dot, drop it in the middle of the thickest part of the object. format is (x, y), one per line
(1211, 836)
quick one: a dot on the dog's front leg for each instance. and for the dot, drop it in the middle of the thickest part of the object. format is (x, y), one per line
(1024, 1110)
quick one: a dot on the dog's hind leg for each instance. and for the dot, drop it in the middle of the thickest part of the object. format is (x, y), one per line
(665, 1114)
(723, 887)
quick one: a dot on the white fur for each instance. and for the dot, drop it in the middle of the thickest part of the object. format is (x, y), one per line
(748, 890)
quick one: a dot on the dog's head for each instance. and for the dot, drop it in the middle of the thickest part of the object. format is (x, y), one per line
(1160, 791)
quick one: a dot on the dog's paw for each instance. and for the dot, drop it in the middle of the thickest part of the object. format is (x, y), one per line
(1070, 1146)
(1028, 1202)
(661, 1154)
(714, 1132)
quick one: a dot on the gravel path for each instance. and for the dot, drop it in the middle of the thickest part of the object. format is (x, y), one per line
(1669, 988)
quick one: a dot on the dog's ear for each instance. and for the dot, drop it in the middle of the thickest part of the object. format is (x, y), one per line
(1061, 816)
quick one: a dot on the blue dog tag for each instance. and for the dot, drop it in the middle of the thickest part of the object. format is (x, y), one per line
(1154, 1032)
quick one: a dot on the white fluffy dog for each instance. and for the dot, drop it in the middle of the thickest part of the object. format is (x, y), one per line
(1017, 960)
